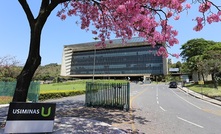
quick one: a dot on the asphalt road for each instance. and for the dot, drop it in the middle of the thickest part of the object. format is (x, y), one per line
(157, 109)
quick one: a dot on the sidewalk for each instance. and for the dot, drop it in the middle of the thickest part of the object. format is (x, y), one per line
(200, 96)
(73, 117)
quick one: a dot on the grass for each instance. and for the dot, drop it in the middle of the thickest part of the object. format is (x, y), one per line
(62, 87)
(72, 85)
(5, 99)
(206, 89)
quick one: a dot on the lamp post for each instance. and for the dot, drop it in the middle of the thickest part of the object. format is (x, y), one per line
(94, 62)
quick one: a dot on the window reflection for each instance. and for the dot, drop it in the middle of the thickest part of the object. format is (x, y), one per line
(130, 60)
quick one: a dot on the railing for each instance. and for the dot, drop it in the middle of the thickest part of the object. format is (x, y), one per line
(115, 95)
(7, 90)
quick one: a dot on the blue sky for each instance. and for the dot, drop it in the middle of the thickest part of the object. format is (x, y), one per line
(15, 33)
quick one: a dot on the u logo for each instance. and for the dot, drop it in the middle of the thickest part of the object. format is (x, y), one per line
(43, 112)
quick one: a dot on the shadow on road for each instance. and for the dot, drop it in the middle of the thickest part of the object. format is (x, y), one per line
(119, 118)
(78, 109)
(75, 111)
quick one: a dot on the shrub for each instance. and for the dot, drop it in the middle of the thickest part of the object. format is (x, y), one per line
(46, 96)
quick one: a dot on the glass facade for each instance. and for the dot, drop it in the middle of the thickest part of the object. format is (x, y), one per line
(124, 60)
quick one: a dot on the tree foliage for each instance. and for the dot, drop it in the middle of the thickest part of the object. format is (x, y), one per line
(194, 47)
(47, 72)
(9, 68)
(193, 51)
(125, 18)
(212, 62)
(203, 57)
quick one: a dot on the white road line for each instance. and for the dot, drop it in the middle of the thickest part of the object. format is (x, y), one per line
(162, 109)
(190, 122)
(157, 92)
(186, 100)
(157, 97)
(157, 102)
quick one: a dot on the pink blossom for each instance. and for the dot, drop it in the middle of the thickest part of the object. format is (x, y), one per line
(169, 14)
(94, 32)
(174, 32)
(199, 19)
(198, 27)
(63, 17)
(121, 9)
(176, 55)
(204, 6)
(213, 18)
(177, 17)
(162, 51)
(188, 6)
(110, 41)
(128, 18)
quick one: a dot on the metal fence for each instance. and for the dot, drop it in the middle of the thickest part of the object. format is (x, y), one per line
(7, 89)
(115, 95)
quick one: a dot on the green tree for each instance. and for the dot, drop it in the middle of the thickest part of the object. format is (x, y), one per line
(194, 47)
(9, 68)
(193, 53)
(178, 64)
(184, 68)
(212, 63)
(43, 72)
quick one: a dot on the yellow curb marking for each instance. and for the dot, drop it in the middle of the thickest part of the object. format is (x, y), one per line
(131, 100)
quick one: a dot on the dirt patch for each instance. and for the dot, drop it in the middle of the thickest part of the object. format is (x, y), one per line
(115, 117)
(5, 99)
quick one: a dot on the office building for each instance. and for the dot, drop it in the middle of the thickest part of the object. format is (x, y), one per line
(134, 60)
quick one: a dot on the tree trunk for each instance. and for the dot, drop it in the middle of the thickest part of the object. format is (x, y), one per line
(198, 75)
(31, 65)
(215, 82)
(203, 76)
(34, 58)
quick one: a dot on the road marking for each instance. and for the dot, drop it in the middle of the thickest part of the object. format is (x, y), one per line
(157, 102)
(162, 109)
(131, 114)
(186, 100)
(190, 122)
(157, 91)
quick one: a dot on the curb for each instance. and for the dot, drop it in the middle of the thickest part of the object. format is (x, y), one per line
(200, 96)
(4, 105)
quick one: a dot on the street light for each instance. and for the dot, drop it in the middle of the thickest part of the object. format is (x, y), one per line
(94, 62)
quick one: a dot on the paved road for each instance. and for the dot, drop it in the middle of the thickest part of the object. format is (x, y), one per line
(72, 117)
(157, 109)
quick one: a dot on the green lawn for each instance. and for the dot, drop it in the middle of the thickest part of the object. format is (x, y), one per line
(72, 85)
(207, 89)
(5, 99)
(61, 87)
(64, 87)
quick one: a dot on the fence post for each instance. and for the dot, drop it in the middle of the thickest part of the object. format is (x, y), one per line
(128, 96)
(116, 95)
(86, 94)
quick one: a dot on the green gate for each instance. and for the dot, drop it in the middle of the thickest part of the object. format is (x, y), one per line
(8, 89)
(114, 95)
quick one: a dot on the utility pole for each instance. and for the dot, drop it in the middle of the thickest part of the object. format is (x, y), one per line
(94, 62)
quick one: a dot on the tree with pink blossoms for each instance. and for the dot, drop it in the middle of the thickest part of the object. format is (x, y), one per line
(148, 19)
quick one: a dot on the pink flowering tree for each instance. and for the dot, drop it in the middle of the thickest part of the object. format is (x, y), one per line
(148, 19)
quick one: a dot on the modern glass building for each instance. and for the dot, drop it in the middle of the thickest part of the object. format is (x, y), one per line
(135, 59)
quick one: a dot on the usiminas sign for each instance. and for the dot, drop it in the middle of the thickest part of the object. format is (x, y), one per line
(30, 117)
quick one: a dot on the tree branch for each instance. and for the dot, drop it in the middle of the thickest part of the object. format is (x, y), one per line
(27, 11)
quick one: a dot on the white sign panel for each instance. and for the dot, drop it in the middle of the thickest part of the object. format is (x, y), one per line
(30, 118)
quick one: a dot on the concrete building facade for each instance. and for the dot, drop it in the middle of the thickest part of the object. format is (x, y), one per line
(135, 59)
